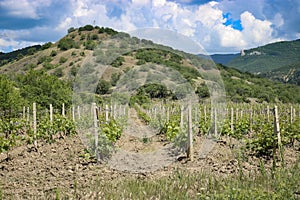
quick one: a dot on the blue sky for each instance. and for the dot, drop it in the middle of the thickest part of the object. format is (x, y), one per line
(221, 26)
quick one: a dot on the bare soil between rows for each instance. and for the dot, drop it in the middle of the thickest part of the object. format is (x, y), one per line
(30, 174)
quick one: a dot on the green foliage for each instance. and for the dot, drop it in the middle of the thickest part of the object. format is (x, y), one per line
(10, 98)
(14, 55)
(118, 62)
(10, 131)
(31, 51)
(86, 28)
(47, 45)
(242, 86)
(140, 98)
(141, 114)
(114, 78)
(62, 60)
(74, 70)
(202, 91)
(168, 59)
(44, 89)
(90, 44)
(264, 141)
(53, 53)
(112, 130)
(109, 31)
(58, 72)
(60, 125)
(272, 57)
(103, 87)
(71, 29)
(94, 37)
(48, 66)
(171, 128)
(66, 43)
(154, 90)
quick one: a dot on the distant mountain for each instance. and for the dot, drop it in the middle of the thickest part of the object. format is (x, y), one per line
(15, 55)
(224, 59)
(268, 58)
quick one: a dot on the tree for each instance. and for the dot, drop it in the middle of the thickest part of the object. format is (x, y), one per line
(37, 86)
(66, 43)
(103, 87)
(10, 99)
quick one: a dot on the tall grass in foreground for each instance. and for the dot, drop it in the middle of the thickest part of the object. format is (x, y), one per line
(279, 184)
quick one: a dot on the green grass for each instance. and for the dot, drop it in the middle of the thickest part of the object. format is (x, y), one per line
(281, 184)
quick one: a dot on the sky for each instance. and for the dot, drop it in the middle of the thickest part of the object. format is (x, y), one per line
(221, 26)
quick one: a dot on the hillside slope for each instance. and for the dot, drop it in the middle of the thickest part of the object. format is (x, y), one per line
(65, 58)
(268, 58)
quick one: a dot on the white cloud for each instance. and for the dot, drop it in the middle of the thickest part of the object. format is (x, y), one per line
(204, 22)
(256, 31)
(278, 20)
(20, 8)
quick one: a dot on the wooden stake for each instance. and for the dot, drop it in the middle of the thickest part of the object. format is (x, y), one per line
(34, 126)
(181, 117)
(215, 122)
(73, 113)
(51, 113)
(190, 134)
(24, 112)
(106, 113)
(63, 110)
(277, 131)
(95, 129)
(78, 112)
(231, 120)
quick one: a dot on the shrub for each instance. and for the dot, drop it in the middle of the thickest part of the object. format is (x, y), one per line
(53, 53)
(66, 43)
(62, 60)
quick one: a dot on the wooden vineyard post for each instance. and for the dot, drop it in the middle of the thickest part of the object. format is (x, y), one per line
(268, 113)
(251, 119)
(95, 129)
(231, 120)
(73, 113)
(181, 117)
(168, 114)
(277, 132)
(115, 111)
(205, 113)
(215, 122)
(28, 113)
(106, 113)
(78, 112)
(51, 112)
(63, 110)
(34, 126)
(291, 115)
(190, 134)
(24, 112)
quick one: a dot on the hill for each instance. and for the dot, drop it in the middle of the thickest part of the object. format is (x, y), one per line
(268, 58)
(224, 59)
(64, 59)
(287, 74)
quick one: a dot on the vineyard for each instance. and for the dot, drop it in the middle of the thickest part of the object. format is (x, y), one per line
(261, 132)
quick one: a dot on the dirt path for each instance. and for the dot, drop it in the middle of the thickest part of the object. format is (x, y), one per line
(140, 149)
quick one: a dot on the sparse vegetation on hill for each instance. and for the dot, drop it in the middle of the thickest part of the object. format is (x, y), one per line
(64, 58)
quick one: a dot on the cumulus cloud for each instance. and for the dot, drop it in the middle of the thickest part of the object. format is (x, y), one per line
(203, 21)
